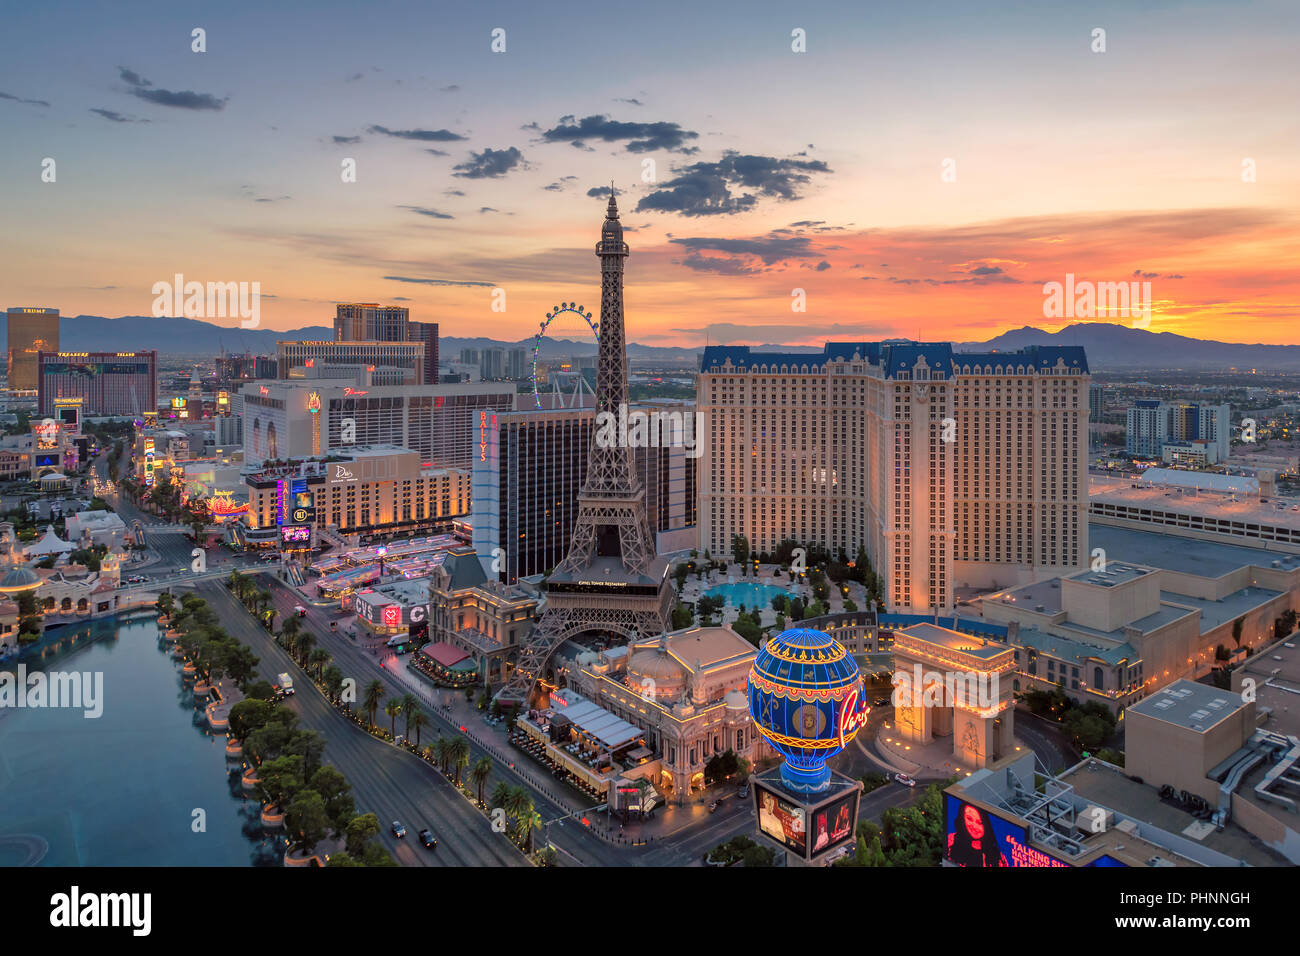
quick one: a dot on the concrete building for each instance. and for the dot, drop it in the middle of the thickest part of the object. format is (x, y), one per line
(363, 490)
(1152, 423)
(314, 418)
(684, 690)
(292, 357)
(30, 332)
(530, 467)
(110, 383)
(96, 528)
(370, 322)
(427, 332)
(486, 620)
(1118, 633)
(1225, 509)
(951, 468)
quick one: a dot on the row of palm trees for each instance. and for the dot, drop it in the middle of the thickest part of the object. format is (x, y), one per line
(517, 802)
(253, 596)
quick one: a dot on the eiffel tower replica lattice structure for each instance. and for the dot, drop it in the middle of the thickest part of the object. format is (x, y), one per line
(612, 580)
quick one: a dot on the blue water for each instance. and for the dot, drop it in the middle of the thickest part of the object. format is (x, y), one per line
(120, 790)
(749, 593)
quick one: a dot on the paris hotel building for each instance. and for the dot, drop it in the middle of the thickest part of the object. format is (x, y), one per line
(952, 469)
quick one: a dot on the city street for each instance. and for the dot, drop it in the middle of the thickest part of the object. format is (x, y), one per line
(386, 780)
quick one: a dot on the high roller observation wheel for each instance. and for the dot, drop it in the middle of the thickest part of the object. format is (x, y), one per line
(556, 312)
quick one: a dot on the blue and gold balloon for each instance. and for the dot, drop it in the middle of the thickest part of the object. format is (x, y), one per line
(807, 697)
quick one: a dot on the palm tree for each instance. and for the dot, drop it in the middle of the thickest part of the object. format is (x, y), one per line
(459, 755)
(442, 753)
(529, 824)
(518, 805)
(317, 660)
(479, 774)
(306, 644)
(500, 794)
(392, 709)
(419, 720)
(374, 694)
(410, 707)
(289, 634)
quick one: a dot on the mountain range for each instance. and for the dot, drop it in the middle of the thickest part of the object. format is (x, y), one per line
(1109, 346)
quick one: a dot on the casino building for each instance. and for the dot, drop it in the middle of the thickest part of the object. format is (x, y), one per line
(111, 383)
(314, 417)
(685, 690)
(379, 489)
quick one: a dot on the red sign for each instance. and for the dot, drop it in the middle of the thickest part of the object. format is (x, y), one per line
(353, 391)
(852, 718)
(392, 616)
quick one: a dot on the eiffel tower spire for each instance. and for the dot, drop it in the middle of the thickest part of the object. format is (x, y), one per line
(612, 580)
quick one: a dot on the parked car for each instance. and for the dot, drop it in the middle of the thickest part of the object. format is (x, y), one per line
(399, 831)
(882, 701)
(905, 780)
(713, 806)
(428, 839)
(743, 792)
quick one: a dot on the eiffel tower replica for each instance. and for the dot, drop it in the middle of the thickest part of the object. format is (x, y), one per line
(612, 580)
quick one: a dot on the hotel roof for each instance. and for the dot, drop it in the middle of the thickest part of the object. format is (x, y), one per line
(1219, 505)
(1210, 559)
(893, 357)
(1189, 705)
(956, 641)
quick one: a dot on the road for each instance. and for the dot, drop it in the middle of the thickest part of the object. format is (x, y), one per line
(388, 781)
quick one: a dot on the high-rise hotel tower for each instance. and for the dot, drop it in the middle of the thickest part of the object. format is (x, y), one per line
(952, 469)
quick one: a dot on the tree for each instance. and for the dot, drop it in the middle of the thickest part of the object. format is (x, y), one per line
(336, 793)
(740, 549)
(459, 755)
(392, 709)
(306, 820)
(374, 694)
(682, 616)
(410, 706)
(479, 774)
(333, 679)
(419, 720)
(359, 831)
(279, 779)
(317, 660)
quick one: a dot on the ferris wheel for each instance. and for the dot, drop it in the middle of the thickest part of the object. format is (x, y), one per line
(575, 318)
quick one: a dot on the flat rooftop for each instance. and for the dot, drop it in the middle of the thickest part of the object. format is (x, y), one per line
(1114, 573)
(1219, 505)
(1189, 705)
(1109, 788)
(1276, 673)
(956, 641)
(1208, 559)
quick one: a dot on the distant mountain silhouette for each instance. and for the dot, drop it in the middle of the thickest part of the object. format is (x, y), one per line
(1109, 346)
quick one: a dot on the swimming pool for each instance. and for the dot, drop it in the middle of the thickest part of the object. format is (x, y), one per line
(749, 593)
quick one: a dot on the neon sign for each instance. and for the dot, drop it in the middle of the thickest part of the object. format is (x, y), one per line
(355, 391)
(852, 718)
(482, 436)
(392, 615)
(313, 403)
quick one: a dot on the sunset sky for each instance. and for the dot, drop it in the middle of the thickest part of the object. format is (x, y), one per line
(774, 170)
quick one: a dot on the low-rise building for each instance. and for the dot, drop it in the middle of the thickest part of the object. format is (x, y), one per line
(482, 618)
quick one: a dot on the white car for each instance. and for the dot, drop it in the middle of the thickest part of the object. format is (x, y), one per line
(904, 779)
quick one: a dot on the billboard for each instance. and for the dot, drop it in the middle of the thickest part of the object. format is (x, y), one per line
(295, 534)
(977, 837)
(781, 820)
(303, 509)
(48, 459)
(833, 825)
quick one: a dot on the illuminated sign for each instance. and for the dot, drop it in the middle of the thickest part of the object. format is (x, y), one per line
(310, 363)
(853, 717)
(392, 615)
(47, 433)
(313, 403)
(295, 534)
(178, 402)
(355, 391)
(978, 838)
(342, 474)
(833, 825)
(782, 820)
(264, 390)
(304, 507)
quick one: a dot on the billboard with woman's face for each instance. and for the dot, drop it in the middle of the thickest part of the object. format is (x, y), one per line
(833, 825)
(781, 820)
